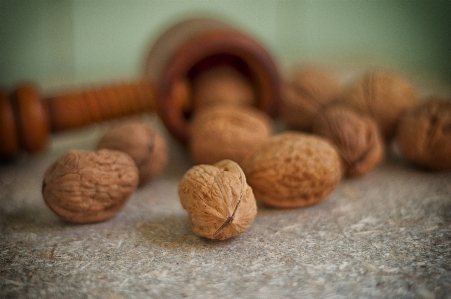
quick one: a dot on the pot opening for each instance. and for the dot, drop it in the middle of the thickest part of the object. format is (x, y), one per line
(219, 79)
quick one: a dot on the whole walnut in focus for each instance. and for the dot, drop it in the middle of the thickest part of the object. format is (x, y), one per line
(356, 137)
(85, 187)
(221, 85)
(293, 170)
(383, 95)
(218, 200)
(227, 132)
(144, 144)
(305, 95)
(424, 134)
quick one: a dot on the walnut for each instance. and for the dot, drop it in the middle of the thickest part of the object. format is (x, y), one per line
(356, 137)
(384, 95)
(424, 134)
(144, 144)
(84, 187)
(227, 132)
(218, 200)
(221, 85)
(293, 170)
(305, 95)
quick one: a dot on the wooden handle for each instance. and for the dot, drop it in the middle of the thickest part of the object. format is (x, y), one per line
(177, 55)
(26, 119)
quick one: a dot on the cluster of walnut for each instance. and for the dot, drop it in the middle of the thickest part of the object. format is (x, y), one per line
(335, 131)
(284, 170)
(92, 186)
(287, 170)
(358, 119)
(366, 115)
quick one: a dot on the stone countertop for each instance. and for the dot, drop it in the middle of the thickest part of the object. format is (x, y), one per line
(384, 235)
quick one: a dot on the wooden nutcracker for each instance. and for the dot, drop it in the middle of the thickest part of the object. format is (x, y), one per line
(179, 55)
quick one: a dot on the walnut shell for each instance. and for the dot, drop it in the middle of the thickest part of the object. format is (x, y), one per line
(84, 187)
(383, 95)
(221, 85)
(424, 134)
(227, 132)
(293, 170)
(218, 200)
(356, 137)
(145, 145)
(305, 95)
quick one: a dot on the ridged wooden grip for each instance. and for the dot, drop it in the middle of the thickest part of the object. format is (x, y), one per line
(78, 109)
(180, 54)
(26, 119)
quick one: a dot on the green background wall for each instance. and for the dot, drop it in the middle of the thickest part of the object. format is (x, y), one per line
(50, 41)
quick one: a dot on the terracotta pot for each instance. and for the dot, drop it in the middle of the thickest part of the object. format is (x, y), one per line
(193, 45)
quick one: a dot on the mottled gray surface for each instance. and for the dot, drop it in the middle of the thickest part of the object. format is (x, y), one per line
(384, 235)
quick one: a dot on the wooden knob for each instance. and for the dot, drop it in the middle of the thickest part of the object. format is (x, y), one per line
(24, 122)
(26, 119)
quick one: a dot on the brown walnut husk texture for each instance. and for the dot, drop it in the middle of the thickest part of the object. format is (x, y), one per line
(305, 94)
(293, 170)
(144, 144)
(85, 187)
(227, 132)
(218, 200)
(383, 95)
(356, 137)
(424, 134)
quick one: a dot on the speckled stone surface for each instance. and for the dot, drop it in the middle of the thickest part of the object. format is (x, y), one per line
(384, 235)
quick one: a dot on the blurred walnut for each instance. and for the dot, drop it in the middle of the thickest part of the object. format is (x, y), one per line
(221, 85)
(218, 200)
(86, 187)
(305, 95)
(383, 95)
(356, 137)
(424, 134)
(144, 144)
(293, 170)
(227, 132)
